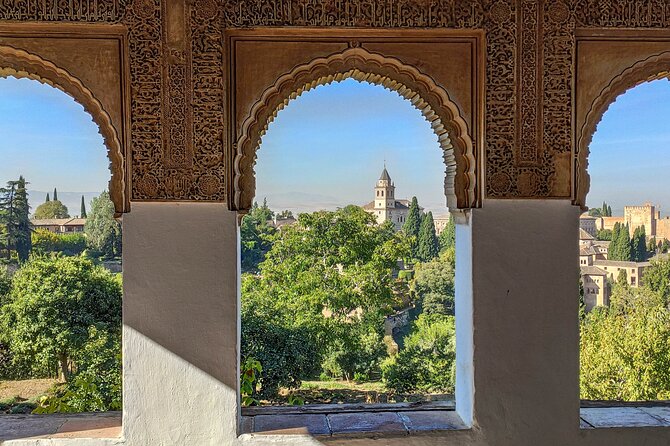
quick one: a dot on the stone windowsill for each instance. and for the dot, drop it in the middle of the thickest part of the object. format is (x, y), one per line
(348, 420)
(596, 415)
(86, 425)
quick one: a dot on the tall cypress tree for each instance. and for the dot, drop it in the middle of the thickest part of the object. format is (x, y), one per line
(48, 199)
(413, 223)
(609, 210)
(638, 245)
(428, 246)
(613, 253)
(23, 241)
(55, 194)
(604, 209)
(447, 237)
(82, 212)
(14, 216)
(624, 243)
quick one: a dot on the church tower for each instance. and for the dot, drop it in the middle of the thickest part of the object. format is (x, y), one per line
(384, 192)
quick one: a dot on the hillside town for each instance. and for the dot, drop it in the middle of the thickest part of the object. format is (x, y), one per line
(596, 232)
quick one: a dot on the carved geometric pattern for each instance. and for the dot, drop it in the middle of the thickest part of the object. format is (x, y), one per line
(422, 92)
(177, 149)
(19, 63)
(654, 67)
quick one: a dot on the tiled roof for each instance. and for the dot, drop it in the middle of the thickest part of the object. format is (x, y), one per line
(620, 263)
(592, 271)
(583, 235)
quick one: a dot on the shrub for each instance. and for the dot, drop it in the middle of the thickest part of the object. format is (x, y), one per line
(45, 242)
(356, 353)
(427, 362)
(286, 354)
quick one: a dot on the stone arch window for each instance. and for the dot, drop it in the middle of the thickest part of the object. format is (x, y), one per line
(424, 94)
(652, 68)
(21, 64)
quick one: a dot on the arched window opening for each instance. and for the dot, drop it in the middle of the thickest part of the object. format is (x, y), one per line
(60, 255)
(624, 241)
(347, 298)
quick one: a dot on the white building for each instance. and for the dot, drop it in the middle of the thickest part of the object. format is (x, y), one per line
(385, 207)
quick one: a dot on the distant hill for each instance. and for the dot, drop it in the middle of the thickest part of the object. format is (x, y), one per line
(72, 200)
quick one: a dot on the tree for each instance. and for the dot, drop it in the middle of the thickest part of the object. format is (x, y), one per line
(447, 238)
(428, 246)
(53, 303)
(15, 217)
(55, 194)
(103, 231)
(82, 211)
(256, 236)
(434, 286)
(609, 210)
(657, 278)
(428, 360)
(595, 212)
(412, 225)
(47, 199)
(625, 349)
(51, 209)
(604, 234)
(620, 247)
(638, 245)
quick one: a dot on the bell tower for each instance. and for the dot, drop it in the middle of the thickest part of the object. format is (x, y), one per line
(384, 191)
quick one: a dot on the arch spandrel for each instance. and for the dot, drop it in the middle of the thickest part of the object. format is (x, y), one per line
(21, 64)
(461, 188)
(653, 67)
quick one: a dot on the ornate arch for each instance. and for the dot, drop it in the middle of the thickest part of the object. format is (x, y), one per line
(21, 64)
(651, 68)
(460, 186)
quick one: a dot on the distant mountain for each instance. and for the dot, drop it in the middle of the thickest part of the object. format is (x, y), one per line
(301, 201)
(71, 200)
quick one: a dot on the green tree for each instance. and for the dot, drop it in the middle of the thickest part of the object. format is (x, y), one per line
(447, 238)
(82, 210)
(412, 224)
(256, 234)
(427, 361)
(55, 194)
(620, 247)
(657, 278)
(434, 286)
(47, 199)
(103, 231)
(45, 242)
(638, 245)
(604, 234)
(428, 246)
(51, 209)
(595, 212)
(609, 210)
(53, 304)
(625, 349)
(15, 218)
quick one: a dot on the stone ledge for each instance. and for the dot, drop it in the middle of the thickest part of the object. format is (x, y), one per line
(353, 424)
(622, 417)
(87, 425)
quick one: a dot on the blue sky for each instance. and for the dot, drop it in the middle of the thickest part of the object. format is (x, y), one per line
(327, 147)
(629, 162)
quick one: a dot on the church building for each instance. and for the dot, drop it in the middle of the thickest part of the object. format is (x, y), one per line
(385, 207)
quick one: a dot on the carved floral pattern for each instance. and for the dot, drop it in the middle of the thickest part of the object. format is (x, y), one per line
(529, 43)
(19, 63)
(433, 101)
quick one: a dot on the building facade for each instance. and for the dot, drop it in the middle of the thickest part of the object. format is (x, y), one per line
(385, 207)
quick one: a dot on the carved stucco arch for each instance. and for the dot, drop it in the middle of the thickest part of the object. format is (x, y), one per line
(423, 93)
(649, 69)
(21, 64)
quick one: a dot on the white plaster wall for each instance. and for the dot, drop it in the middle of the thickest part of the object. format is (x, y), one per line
(180, 324)
(181, 332)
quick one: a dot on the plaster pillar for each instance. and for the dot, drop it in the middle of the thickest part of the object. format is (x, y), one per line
(180, 324)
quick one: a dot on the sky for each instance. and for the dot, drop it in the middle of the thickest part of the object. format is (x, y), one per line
(49, 139)
(628, 161)
(327, 148)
